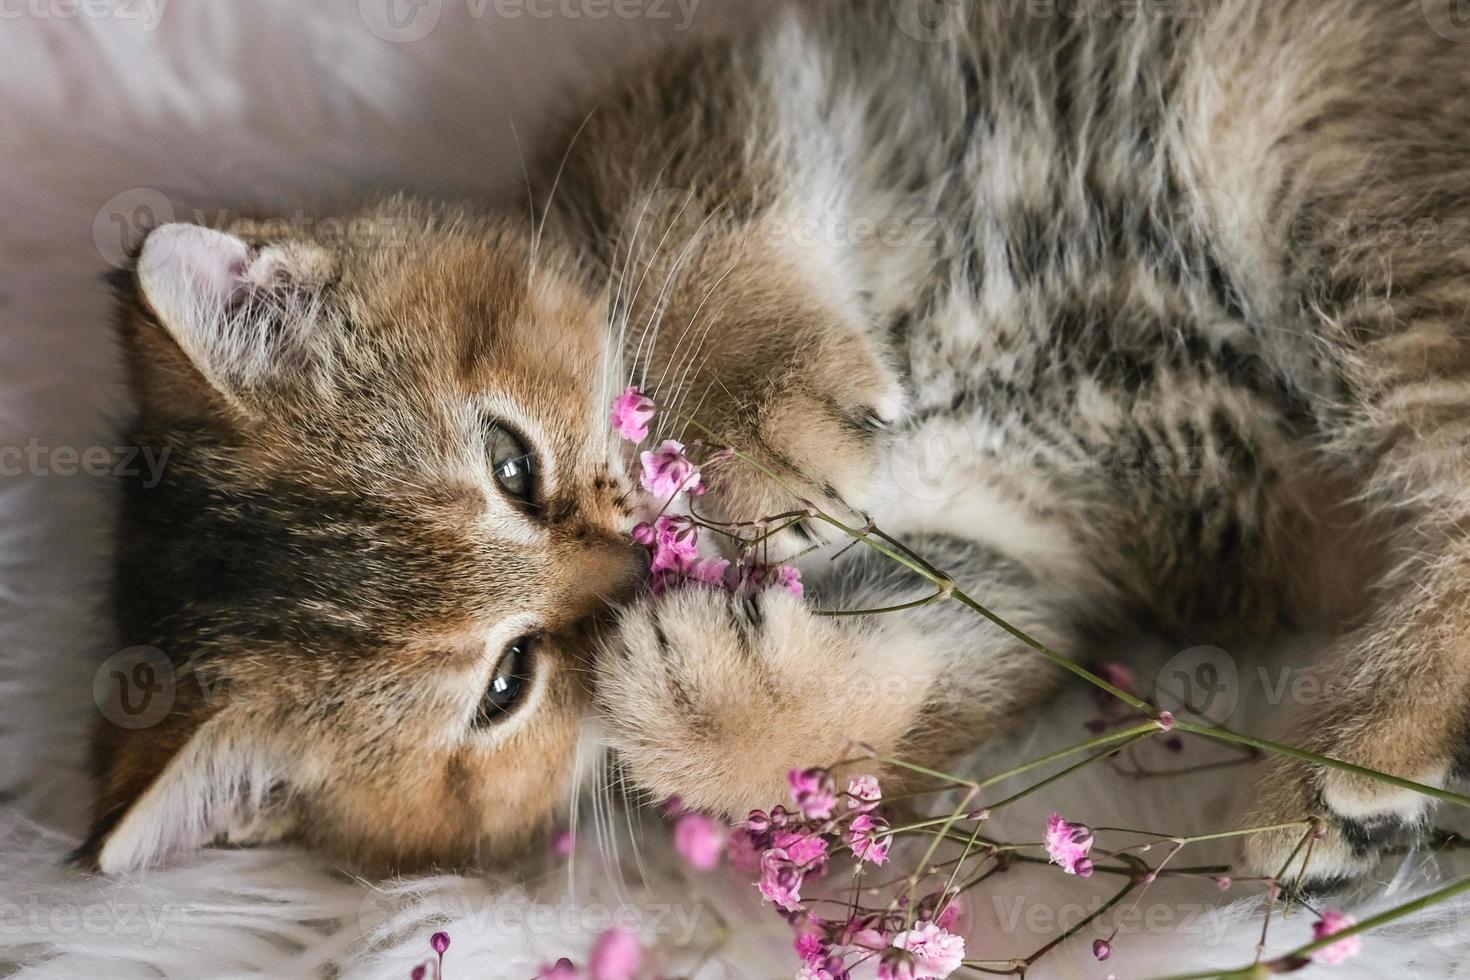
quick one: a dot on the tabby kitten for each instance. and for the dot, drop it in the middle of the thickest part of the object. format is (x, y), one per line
(951, 274)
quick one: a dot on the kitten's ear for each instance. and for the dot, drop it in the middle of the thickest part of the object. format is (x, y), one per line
(246, 316)
(222, 785)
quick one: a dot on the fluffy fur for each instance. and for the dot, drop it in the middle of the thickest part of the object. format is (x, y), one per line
(259, 105)
(1154, 325)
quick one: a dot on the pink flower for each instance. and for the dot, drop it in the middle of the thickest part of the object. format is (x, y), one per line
(949, 912)
(744, 855)
(700, 840)
(786, 577)
(1330, 924)
(870, 939)
(811, 949)
(933, 952)
(631, 413)
(617, 956)
(562, 969)
(808, 852)
(709, 571)
(675, 544)
(863, 837)
(1069, 844)
(864, 794)
(813, 792)
(780, 880)
(666, 470)
(813, 972)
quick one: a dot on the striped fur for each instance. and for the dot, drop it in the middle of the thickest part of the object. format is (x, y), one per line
(1135, 319)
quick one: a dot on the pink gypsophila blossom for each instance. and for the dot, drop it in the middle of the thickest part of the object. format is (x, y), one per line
(667, 470)
(631, 413)
(812, 972)
(813, 792)
(1068, 844)
(744, 855)
(710, 571)
(863, 837)
(618, 955)
(807, 851)
(1330, 924)
(700, 840)
(811, 949)
(864, 794)
(675, 544)
(562, 969)
(949, 913)
(780, 880)
(935, 953)
(788, 578)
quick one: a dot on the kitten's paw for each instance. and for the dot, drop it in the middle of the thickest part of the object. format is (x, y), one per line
(1355, 817)
(819, 429)
(713, 698)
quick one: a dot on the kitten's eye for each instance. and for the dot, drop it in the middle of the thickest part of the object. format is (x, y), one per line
(513, 464)
(508, 685)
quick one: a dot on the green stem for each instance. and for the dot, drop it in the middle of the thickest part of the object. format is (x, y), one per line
(1201, 838)
(1093, 743)
(1304, 952)
(1103, 909)
(1226, 735)
(884, 609)
(1061, 775)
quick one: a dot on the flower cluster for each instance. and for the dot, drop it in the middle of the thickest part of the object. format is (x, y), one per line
(671, 471)
(1330, 923)
(795, 846)
(904, 927)
(1069, 844)
(631, 413)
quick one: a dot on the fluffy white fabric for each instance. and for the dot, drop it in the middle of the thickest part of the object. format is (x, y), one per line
(113, 116)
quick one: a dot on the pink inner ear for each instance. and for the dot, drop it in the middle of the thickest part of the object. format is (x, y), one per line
(192, 264)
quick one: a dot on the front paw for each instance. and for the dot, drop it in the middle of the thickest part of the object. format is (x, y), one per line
(818, 428)
(714, 698)
(1352, 820)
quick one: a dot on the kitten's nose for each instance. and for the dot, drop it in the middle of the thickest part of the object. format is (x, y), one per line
(604, 568)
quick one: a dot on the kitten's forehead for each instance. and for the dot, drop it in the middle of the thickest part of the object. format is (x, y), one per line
(444, 328)
(471, 305)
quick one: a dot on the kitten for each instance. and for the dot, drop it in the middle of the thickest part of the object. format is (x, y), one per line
(1113, 318)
